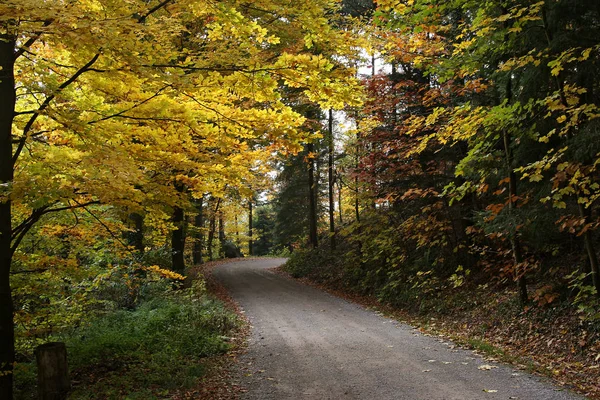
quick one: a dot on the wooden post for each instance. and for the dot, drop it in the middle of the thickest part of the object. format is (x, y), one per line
(53, 372)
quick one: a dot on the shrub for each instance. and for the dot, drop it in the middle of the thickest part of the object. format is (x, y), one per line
(145, 352)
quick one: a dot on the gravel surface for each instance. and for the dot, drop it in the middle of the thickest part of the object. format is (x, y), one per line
(307, 344)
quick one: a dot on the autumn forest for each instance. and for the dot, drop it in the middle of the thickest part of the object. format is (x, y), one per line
(439, 157)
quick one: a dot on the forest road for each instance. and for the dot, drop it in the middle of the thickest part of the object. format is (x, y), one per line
(307, 344)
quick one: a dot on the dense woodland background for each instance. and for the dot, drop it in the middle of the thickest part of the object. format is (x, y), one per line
(439, 156)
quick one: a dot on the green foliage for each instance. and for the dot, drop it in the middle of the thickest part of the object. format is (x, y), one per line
(586, 299)
(143, 353)
(264, 225)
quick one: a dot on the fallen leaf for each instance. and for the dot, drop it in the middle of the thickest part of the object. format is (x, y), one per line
(486, 367)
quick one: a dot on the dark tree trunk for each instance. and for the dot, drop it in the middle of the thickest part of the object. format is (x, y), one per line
(178, 236)
(212, 229)
(7, 111)
(312, 211)
(250, 216)
(339, 185)
(512, 195)
(590, 250)
(221, 236)
(211, 237)
(199, 235)
(136, 237)
(237, 232)
(331, 182)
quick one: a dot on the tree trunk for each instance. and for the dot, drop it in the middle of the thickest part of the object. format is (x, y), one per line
(591, 251)
(178, 236)
(211, 237)
(312, 199)
(512, 195)
(212, 229)
(7, 111)
(250, 216)
(221, 236)
(178, 241)
(53, 372)
(331, 182)
(199, 235)
(339, 185)
(136, 237)
(237, 231)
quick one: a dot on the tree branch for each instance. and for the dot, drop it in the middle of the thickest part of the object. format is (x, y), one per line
(20, 231)
(47, 102)
(142, 18)
(120, 113)
(31, 40)
(118, 239)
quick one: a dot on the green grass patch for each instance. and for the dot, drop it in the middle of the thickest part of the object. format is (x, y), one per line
(486, 348)
(146, 353)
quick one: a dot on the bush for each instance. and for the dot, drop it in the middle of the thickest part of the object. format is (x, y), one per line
(144, 353)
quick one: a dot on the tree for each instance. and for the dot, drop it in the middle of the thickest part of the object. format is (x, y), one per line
(100, 100)
(331, 178)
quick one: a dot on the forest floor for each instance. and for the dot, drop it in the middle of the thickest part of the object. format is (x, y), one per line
(549, 341)
(305, 343)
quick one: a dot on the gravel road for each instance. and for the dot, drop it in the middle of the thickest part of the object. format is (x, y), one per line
(307, 344)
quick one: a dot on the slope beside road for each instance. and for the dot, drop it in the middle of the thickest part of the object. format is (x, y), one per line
(307, 344)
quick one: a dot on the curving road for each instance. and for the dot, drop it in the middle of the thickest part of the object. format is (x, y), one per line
(307, 344)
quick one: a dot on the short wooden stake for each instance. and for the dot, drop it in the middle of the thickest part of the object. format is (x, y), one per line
(53, 372)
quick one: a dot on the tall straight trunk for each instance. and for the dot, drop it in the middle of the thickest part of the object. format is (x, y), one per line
(221, 236)
(589, 248)
(211, 237)
(7, 112)
(211, 230)
(339, 182)
(135, 238)
(199, 235)
(250, 217)
(372, 64)
(237, 231)
(356, 166)
(331, 181)
(178, 239)
(512, 195)
(312, 201)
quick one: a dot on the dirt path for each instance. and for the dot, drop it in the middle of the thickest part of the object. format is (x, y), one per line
(307, 344)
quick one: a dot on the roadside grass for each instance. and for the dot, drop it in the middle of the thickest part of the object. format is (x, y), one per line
(152, 352)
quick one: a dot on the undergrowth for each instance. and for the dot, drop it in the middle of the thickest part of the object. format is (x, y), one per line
(147, 353)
